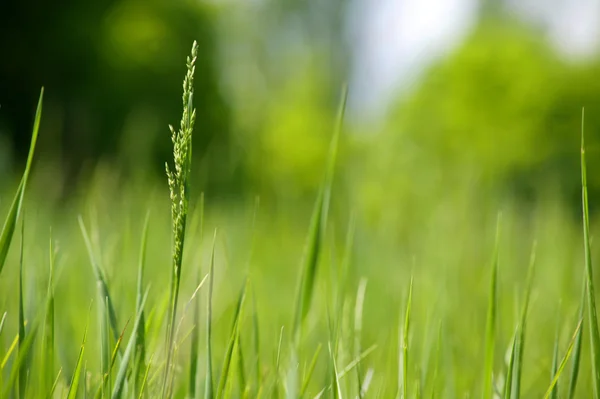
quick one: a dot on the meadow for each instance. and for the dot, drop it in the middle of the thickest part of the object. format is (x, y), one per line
(141, 290)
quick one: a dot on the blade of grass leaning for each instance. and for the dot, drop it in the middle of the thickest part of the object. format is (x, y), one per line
(22, 379)
(145, 379)
(104, 293)
(403, 383)
(255, 326)
(520, 337)
(74, 385)
(508, 384)
(577, 348)
(233, 341)
(318, 221)
(208, 388)
(337, 391)
(591, 294)
(10, 223)
(554, 392)
(563, 362)
(139, 355)
(179, 188)
(358, 315)
(309, 372)
(124, 367)
(194, 349)
(50, 393)
(490, 333)
(21, 358)
(47, 354)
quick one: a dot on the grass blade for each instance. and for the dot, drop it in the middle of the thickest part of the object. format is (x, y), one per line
(403, 383)
(10, 222)
(50, 393)
(194, 349)
(311, 369)
(490, 329)
(316, 230)
(2, 321)
(577, 348)
(591, 294)
(563, 362)
(358, 316)
(337, 391)
(72, 393)
(22, 379)
(554, 392)
(508, 385)
(122, 373)
(208, 389)
(21, 357)
(47, 355)
(140, 346)
(233, 341)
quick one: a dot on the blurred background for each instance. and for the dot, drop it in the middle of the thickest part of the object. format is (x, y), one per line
(457, 109)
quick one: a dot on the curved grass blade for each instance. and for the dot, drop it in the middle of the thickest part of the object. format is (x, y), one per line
(554, 392)
(10, 222)
(72, 393)
(337, 391)
(490, 333)
(311, 369)
(316, 230)
(508, 385)
(21, 357)
(208, 389)
(233, 341)
(563, 362)
(403, 382)
(53, 387)
(358, 316)
(577, 348)
(122, 373)
(591, 294)
(22, 370)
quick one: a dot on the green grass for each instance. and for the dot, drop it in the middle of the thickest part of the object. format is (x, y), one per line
(433, 322)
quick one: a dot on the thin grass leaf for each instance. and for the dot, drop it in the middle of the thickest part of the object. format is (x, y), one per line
(318, 223)
(11, 349)
(122, 373)
(208, 389)
(311, 369)
(256, 341)
(508, 384)
(490, 334)
(101, 282)
(50, 393)
(403, 383)
(358, 316)
(337, 391)
(145, 379)
(591, 294)
(194, 348)
(233, 341)
(520, 342)
(74, 385)
(47, 354)
(554, 392)
(563, 362)
(10, 222)
(22, 370)
(2, 321)
(577, 348)
(21, 357)
(139, 355)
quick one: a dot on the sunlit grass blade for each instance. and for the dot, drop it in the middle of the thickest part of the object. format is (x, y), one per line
(508, 384)
(10, 222)
(554, 392)
(490, 329)
(337, 391)
(405, 331)
(256, 341)
(358, 325)
(145, 378)
(577, 348)
(591, 294)
(74, 385)
(22, 379)
(139, 356)
(233, 341)
(47, 355)
(124, 366)
(50, 393)
(563, 362)
(208, 388)
(318, 223)
(310, 371)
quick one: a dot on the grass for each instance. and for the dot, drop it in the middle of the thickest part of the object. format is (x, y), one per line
(435, 329)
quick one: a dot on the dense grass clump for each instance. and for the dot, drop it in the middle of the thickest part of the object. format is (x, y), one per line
(148, 322)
